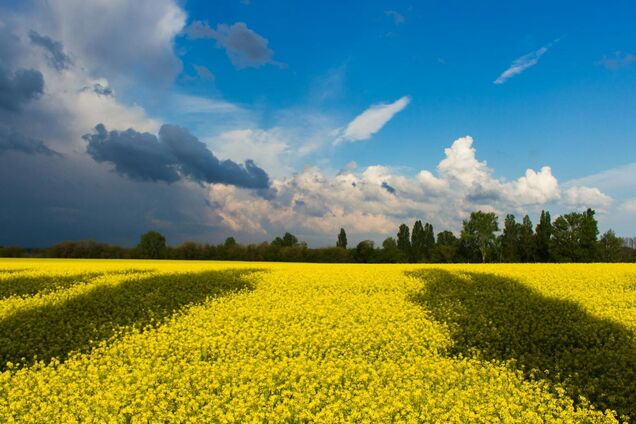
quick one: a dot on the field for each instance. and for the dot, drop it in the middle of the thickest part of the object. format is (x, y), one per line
(144, 341)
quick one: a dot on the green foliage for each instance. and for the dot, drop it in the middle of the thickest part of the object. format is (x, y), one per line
(527, 243)
(497, 318)
(403, 240)
(543, 236)
(510, 240)
(610, 247)
(446, 248)
(152, 245)
(365, 251)
(478, 232)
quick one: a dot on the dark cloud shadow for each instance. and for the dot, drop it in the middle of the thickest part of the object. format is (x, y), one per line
(495, 318)
(54, 331)
(29, 285)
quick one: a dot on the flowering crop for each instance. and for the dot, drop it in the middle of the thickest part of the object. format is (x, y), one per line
(268, 342)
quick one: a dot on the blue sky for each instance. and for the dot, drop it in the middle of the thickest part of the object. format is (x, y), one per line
(324, 98)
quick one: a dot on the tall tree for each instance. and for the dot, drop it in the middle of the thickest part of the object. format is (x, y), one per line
(543, 236)
(342, 239)
(610, 247)
(510, 240)
(429, 242)
(564, 244)
(588, 239)
(152, 245)
(403, 240)
(479, 232)
(417, 242)
(526, 241)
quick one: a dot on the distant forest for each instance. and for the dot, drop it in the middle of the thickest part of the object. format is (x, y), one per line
(573, 237)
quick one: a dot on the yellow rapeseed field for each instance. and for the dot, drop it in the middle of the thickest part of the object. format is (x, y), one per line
(162, 341)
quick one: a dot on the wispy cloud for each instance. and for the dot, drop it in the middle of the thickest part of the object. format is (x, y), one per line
(617, 61)
(372, 120)
(398, 18)
(521, 64)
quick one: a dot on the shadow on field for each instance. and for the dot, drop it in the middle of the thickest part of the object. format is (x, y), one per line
(495, 318)
(29, 285)
(54, 331)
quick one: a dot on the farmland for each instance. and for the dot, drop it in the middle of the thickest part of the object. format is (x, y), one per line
(170, 341)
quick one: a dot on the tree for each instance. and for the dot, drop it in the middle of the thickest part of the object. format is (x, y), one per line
(446, 247)
(565, 237)
(288, 240)
(229, 242)
(417, 242)
(342, 239)
(364, 251)
(479, 232)
(610, 247)
(152, 245)
(390, 252)
(403, 240)
(526, 241)
(510, 240)
(429, 242)
(588, 239)
(542, 237)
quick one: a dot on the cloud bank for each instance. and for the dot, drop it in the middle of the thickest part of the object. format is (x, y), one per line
(372, 202)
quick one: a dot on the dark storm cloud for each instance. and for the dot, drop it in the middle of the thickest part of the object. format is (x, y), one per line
(245, 47)
(12, 140)
(57, 58)
(19, 87)
(173, 155)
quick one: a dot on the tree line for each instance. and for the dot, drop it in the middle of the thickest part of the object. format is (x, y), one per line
(572, 237)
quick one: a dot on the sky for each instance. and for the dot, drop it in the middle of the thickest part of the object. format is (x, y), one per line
(250, 118)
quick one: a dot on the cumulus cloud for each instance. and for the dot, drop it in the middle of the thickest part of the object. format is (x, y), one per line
(244, 46)
(521, 64)
(372, 120)
(173, 155)
(57, 58)
(373, 201)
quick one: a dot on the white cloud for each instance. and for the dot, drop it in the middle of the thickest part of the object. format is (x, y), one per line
(372, 120)
(521, 64)
(536, 187)
(587, 197)
(117, 38)
(269, 149)
(615, 179)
